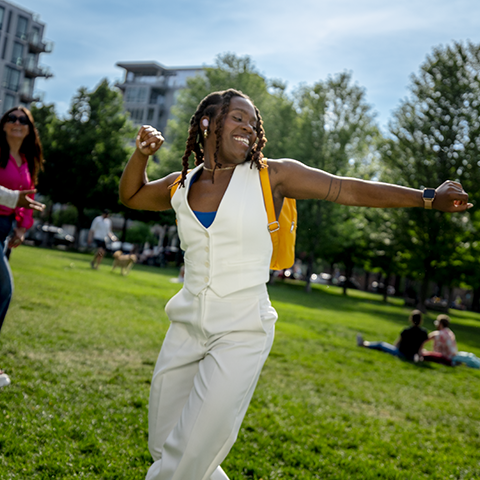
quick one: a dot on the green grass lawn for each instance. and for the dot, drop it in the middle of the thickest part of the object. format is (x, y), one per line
(80, 346)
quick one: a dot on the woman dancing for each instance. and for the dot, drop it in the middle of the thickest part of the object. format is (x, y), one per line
(222, 322)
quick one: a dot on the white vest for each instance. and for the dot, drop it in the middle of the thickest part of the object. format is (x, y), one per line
(234, 252)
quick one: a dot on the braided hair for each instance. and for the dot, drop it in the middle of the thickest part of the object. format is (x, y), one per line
(215, 106)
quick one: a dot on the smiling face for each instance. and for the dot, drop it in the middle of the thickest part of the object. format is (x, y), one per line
(239, 132)
(16, 126)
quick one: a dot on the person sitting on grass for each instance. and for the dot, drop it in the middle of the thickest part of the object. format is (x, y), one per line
(408, 345)
(444, 343)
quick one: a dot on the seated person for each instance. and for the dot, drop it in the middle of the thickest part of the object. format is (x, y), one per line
(444, 343)
(408, 345)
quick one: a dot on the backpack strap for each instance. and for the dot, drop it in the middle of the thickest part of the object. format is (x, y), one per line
(273, 225)
(175, 184)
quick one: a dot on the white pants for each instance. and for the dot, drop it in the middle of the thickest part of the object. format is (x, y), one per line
(204, 379)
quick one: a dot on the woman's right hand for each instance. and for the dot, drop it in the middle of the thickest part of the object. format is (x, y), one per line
(149, 140)
(26, 202)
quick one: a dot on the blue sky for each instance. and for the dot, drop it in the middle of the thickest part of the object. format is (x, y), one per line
(382, 42)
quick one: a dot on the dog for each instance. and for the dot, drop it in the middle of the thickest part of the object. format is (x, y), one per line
(125, 262)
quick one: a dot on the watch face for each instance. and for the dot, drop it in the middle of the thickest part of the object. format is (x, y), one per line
(429, 194)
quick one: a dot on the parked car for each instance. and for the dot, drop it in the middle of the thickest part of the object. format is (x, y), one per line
(350, 283)
(323, 278)
(49, 235)
(112, 247)
(290, 273)
(380, 288)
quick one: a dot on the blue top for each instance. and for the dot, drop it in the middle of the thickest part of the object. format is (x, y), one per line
(205, 218)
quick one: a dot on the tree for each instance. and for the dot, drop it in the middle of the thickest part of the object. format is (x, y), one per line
(336, 133)
(86, 152)
(436, 138)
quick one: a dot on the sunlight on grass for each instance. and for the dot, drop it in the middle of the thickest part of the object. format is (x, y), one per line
(80, 346)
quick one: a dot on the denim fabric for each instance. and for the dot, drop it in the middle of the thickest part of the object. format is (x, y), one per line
(6, 279)
(385, 347)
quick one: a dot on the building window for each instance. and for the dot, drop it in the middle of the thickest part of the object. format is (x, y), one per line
(17, 54)
(2, 15)
(136, 114)
(36, 37)
(11, 79)
(22, 25)
(8, 102)
(4, 50)
(150, 114)
(31, 62)
(26, 89)
(136, 95)
(9, 21)
(157, 97)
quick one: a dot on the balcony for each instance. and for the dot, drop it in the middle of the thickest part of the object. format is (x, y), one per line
(37, 45)
(32, 70)
(26, 96)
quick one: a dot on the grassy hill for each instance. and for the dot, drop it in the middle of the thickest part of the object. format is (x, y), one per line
(80, 346)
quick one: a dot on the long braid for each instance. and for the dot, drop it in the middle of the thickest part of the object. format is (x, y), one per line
(256, 154)
(191, 146)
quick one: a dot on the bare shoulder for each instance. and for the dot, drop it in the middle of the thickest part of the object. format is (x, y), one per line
(293, 179)
(281, 169)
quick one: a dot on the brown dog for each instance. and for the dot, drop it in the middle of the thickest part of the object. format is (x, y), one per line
(125, 262)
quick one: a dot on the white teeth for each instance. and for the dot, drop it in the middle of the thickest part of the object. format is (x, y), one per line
(243, 140)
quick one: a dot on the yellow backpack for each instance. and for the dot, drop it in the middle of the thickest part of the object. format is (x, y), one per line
(283, 232)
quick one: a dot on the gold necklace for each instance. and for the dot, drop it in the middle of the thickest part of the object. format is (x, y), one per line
(218, 168)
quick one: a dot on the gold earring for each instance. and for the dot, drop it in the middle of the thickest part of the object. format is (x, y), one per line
(205, 133)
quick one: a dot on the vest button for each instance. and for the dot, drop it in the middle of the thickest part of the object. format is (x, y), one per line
(206, 279)
(207, 264)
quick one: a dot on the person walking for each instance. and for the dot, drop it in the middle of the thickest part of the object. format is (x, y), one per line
(222, 321)
(100, 230)
(21, 159)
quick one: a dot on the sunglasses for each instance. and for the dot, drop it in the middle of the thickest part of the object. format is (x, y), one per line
(11, 118)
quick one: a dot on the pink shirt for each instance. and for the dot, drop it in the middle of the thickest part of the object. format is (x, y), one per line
(17, 178)
(444, 342)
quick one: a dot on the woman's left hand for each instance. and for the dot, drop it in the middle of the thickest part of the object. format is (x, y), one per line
(17, 238)
(451, 197)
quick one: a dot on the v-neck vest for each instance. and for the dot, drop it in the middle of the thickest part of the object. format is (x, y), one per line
(234, 252)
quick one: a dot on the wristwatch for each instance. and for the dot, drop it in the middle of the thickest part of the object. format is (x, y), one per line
(428, 197)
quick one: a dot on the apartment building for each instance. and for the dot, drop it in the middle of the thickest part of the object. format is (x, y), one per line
(150, 90)
(21, 44)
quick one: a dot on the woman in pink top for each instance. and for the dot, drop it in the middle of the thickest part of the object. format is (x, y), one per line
(444, 342)
(21, 159)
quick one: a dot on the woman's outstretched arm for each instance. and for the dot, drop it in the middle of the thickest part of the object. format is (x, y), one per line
(295, 180)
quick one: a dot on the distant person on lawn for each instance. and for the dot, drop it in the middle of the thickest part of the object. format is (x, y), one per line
(444, 343)
(99, 231)
(408, 345)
